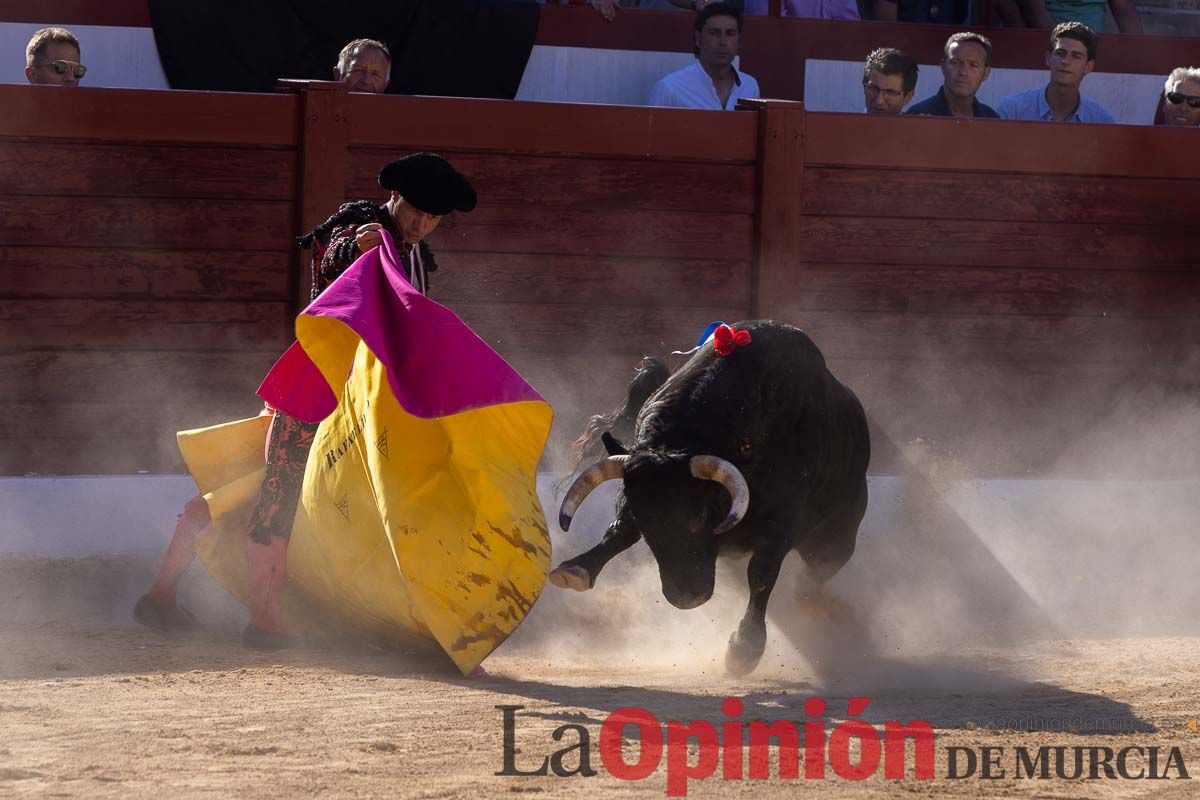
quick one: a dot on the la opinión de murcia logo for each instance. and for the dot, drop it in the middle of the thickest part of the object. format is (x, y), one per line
(743, 750)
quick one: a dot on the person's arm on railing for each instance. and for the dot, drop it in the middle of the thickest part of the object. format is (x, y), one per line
(607, 8)
(1126, 15)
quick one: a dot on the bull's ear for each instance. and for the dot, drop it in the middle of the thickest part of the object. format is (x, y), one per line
(611, 444)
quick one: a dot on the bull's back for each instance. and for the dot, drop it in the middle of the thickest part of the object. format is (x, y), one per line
(770, 406)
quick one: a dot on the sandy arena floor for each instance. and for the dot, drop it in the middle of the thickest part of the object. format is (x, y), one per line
(119, 712)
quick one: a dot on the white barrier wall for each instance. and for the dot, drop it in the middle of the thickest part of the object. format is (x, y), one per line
(1088, 555)
(586, 75)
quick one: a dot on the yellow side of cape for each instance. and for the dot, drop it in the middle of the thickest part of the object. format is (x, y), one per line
(406, 526)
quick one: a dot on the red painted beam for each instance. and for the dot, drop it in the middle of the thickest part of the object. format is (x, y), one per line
(117, 13)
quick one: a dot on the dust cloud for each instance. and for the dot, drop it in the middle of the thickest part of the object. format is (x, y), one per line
(961, 553)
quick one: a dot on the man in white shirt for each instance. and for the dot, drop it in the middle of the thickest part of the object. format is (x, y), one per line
(710, 82)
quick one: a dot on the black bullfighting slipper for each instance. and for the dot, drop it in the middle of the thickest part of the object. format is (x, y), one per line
(256, 638)
(164, 619)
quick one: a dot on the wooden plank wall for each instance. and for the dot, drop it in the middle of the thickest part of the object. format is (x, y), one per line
(1016, 298)
(147, 274)
(996, 292)
(602, 233)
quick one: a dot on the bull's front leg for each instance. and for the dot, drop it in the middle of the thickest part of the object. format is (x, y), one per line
(580, 573)
(747, 643)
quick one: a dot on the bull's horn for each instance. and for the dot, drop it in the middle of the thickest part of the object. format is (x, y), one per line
(711, 468)
(609, 469)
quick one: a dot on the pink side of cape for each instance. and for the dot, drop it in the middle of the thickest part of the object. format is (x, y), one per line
(436, 365)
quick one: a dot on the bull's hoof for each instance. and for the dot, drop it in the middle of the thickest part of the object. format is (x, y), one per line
(745, 651)
(571, 577)
(163, 618)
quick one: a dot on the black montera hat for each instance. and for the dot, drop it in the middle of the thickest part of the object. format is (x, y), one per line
(428, 182)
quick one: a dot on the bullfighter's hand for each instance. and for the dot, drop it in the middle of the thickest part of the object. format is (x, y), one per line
(368, 236)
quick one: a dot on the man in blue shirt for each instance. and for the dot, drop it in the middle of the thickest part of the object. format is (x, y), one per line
(1072, 55)
(966, 64)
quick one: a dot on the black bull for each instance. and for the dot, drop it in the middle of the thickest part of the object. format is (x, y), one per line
(760, 452)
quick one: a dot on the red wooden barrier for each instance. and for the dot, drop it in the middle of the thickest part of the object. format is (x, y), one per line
(970, 281)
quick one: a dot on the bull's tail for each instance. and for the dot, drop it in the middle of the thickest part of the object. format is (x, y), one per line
(651, 373)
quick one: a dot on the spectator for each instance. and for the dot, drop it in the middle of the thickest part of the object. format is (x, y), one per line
(1048, 13)
(1091, 13)
(1072, 55)
(966, 64)
(812, 9)
(815, 9)
(52, 58)
(608, 8)
(1022, 14)
(889, 79)
(711, 81)
(1182, 100)
(365, 65)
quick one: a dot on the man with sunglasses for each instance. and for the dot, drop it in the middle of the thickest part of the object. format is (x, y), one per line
(52, 58)
(1182, 106)
(889, 80)
(1070, 57)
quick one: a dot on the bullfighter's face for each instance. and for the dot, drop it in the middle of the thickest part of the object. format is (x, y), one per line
(676, 515)
(413, 223)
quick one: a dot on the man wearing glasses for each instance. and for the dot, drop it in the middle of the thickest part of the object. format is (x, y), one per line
(52, 58)
(1072, 55)
(889, 80)
(1182, 106)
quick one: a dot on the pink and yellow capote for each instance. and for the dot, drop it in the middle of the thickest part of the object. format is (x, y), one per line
(419, 514)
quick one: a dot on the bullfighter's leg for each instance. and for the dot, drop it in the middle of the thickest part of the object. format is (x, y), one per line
(580, 573)
(158, 608)
(748, 642)
(288, 443)
(825, 550)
